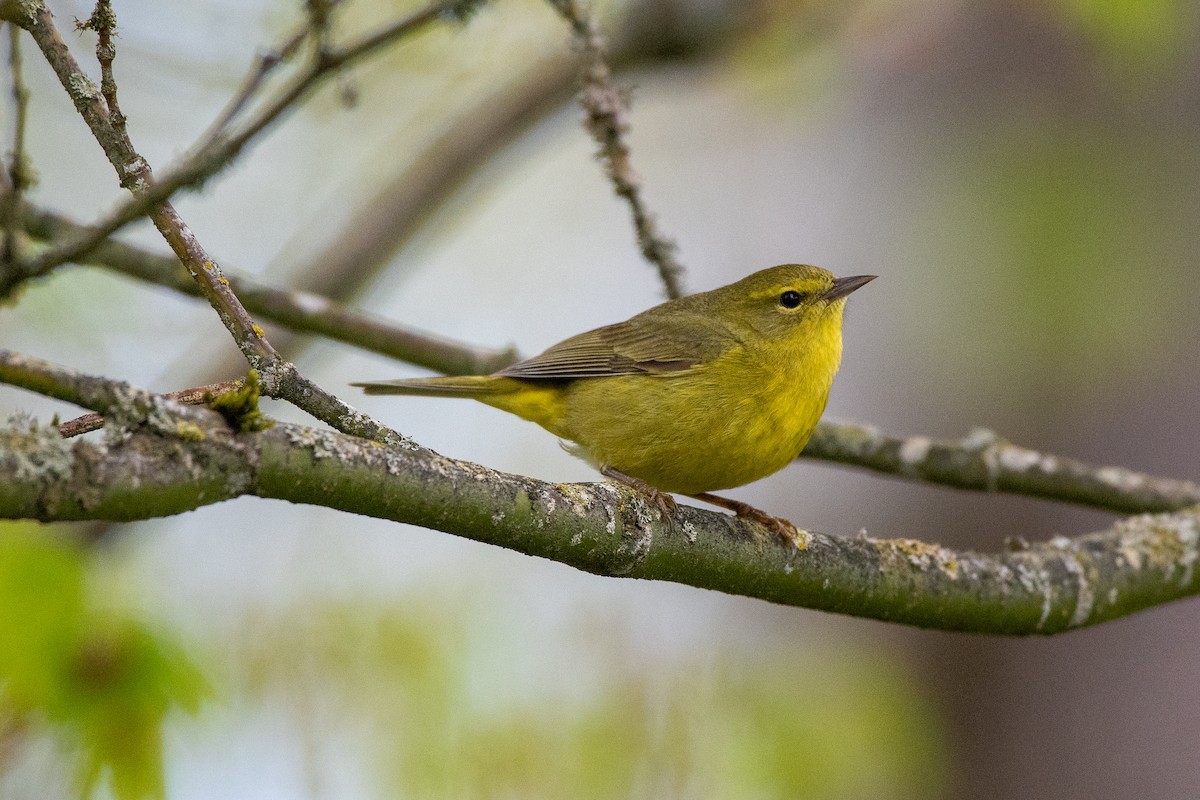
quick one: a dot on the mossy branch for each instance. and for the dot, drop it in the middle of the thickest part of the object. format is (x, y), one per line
(164, 458)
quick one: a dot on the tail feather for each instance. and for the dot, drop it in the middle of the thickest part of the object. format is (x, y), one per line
(542, 402)
(463, 386)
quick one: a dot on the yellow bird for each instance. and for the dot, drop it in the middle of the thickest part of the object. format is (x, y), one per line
(707, 392)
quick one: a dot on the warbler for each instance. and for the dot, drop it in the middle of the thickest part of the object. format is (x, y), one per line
(701, 393)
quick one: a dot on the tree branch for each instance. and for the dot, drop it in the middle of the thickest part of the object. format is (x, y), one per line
(220, 147)
(984, 462)
(170, 458)
(303, 312)
(135, 175)
(606, 119)
(19, 175)
(280, 378)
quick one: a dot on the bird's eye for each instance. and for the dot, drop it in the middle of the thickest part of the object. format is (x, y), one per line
(790, 299)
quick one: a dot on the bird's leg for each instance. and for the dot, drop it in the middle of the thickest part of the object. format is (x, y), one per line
(663, 501)
(782, 528)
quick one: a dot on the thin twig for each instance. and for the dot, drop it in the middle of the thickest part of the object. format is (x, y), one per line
(104, 22)
(196, 396)
(20, 174)
(606, 118)
(216, 152)
(279, 378)
(264, 65)
(319, 12)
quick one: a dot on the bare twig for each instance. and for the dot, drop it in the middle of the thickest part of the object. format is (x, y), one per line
(19, 172)
(319, 12)
(606, 119)
(195, 396)
(221, 147)
(279, 378)
(104, 22)
(260, 71)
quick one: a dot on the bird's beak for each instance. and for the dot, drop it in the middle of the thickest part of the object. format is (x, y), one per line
(844, 286)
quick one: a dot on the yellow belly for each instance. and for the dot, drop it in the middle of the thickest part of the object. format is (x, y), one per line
(689, 433)
(715, 426)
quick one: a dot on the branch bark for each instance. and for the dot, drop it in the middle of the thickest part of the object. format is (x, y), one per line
(171, 459)
(984, 462)
(161, 458)
(280, 377)
(981, 461)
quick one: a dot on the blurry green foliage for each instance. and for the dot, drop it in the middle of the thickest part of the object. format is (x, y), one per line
(98, 681)
(1078, 222)
(441, 703)
(1073, 223)
(790, 55)
(1148, 32)
(797, 54)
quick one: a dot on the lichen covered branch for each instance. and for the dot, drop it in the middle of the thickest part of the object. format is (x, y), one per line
(169, 458)
(984, 462)
(280, 378)
(981, 461)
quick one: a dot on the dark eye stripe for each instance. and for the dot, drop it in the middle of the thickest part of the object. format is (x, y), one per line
(790, 298)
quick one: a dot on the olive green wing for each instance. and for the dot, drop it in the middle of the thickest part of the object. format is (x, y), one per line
(638, 346)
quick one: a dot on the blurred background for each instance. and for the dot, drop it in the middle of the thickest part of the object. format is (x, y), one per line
(1024, 177)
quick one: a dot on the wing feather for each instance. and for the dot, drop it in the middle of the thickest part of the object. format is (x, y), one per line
(640, 345)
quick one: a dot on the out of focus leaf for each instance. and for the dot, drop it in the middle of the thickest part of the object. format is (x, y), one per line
(100, 682)
(1150, 32)
(407, 683)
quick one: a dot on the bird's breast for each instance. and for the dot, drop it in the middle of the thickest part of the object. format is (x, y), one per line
(716, 426)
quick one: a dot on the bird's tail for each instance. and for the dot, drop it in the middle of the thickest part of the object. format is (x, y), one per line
(470, 386)
(537, 401)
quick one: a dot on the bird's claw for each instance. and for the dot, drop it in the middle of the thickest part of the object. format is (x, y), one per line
(784, 530)
(663, 501)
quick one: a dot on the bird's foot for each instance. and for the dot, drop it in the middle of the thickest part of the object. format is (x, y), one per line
(661, 500)
(783, 529)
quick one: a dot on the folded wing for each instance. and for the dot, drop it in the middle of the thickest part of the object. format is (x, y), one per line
(636, 346)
